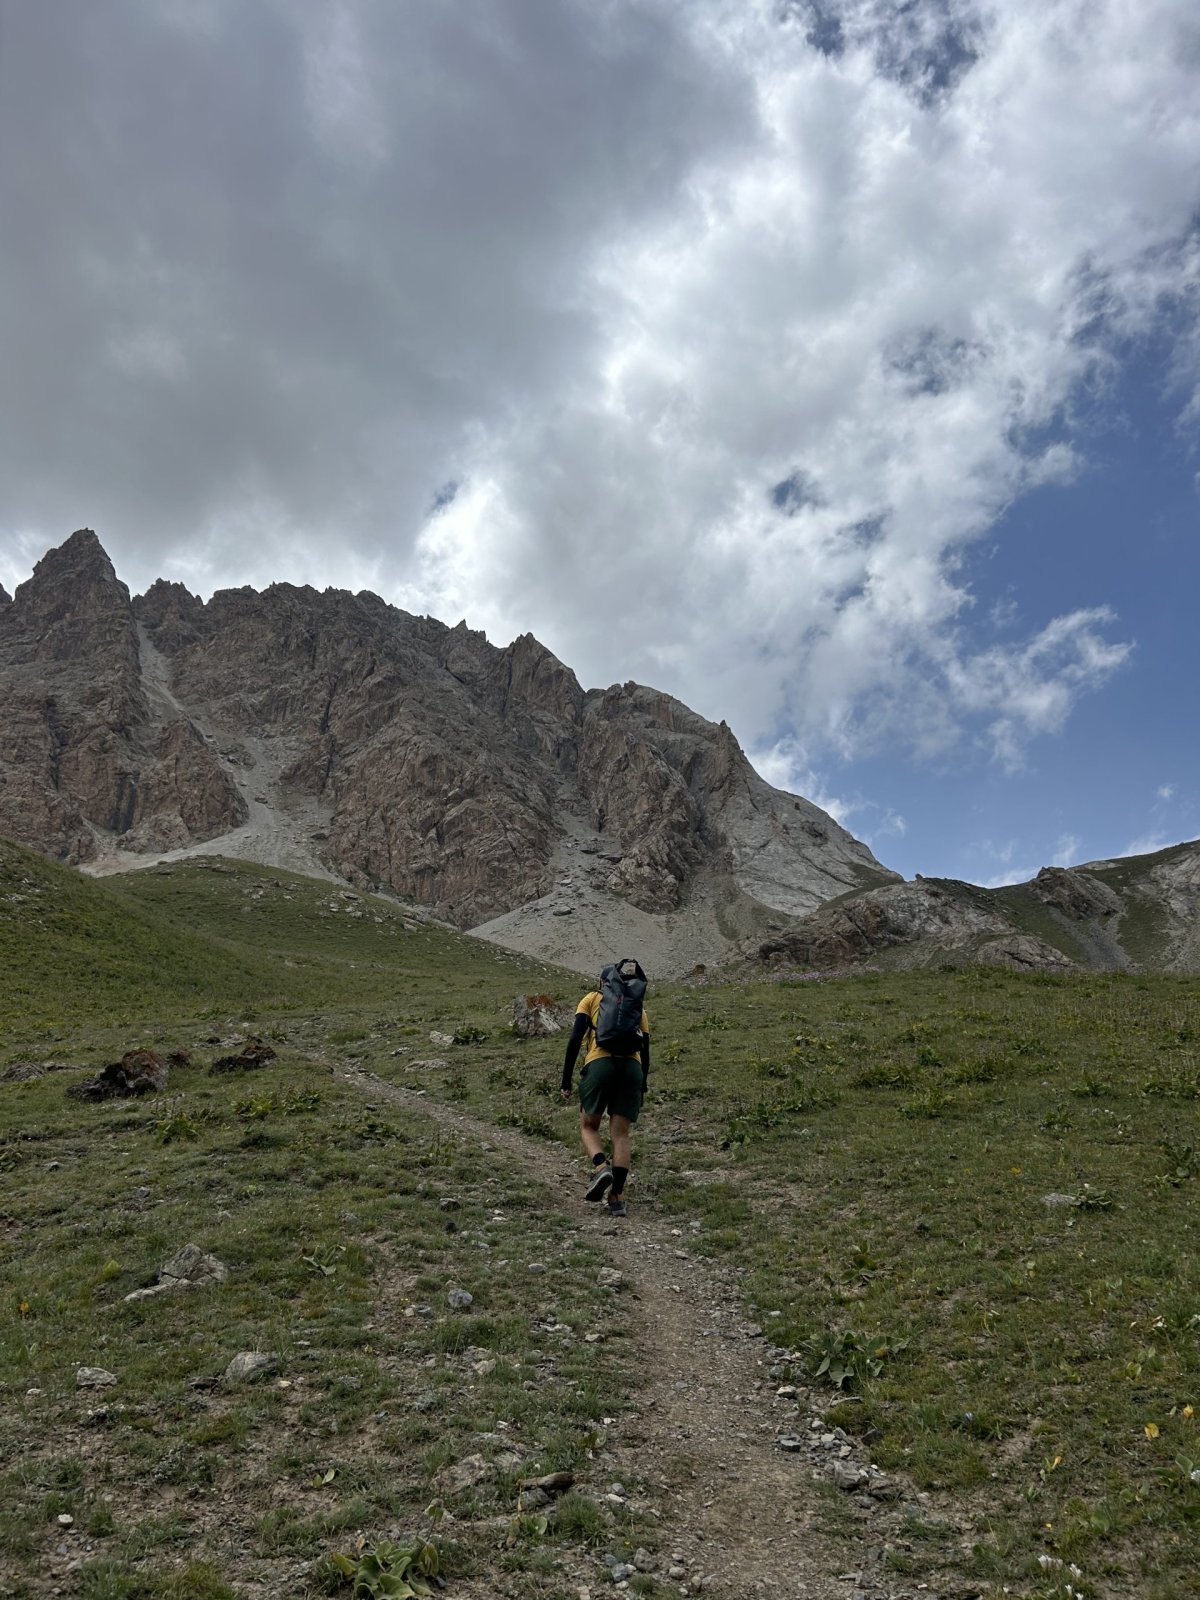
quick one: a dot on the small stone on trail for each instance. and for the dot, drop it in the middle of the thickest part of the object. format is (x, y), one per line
(846, 1476)
(94, 1378)
(882, 1488)
(789, 1442)
(610, 1278)
(459, 1299)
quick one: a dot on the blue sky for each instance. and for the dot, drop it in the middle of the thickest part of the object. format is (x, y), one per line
(1123, 774)
(458, 303)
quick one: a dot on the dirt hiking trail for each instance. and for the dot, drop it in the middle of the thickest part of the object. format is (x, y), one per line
(739, 1513)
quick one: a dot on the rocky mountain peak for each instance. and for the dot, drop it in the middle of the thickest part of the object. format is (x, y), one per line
(333, 732)
(5, 597)
(79, 563)
(73, 604)
(87, 752)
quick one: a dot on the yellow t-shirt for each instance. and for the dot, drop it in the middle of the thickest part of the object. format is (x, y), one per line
(589, 1007)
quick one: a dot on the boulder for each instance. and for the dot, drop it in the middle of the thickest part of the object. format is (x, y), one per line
(138, 1072)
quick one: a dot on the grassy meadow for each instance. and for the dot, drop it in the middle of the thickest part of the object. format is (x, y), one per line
(964, 1203)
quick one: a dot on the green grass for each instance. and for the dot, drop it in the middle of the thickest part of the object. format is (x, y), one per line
(883, 1148)
(872, 1156)
(340, 1262)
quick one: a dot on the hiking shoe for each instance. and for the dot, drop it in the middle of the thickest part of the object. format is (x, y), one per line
(617, 1208)
(600, 1184)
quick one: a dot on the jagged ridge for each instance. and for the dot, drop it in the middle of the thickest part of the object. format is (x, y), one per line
(392, 750)
(1138, 913)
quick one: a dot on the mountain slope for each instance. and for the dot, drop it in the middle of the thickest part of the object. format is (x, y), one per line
(332, 733)
(1138, 913)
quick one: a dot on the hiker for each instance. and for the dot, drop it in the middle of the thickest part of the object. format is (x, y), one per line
(616, 1071)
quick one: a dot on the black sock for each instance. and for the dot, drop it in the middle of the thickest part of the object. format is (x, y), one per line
(618, 1183)
(600, 1159)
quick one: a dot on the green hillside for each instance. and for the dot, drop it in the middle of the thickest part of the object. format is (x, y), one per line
(962, 1205)
(212, 938)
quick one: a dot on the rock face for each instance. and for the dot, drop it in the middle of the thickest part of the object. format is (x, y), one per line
(1075, 893)
(1135, 913)
(925, 921)
(85, 755)
(405, 753)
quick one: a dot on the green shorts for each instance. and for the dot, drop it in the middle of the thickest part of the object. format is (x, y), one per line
(613, 1084)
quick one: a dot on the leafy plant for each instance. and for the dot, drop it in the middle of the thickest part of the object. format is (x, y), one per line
(715, 1021)
(1181, 1163)
(886, 1075)
(525, 1528)
(1091, 1087)
(931, 1102)
(468, 1035)
(845, 1357)
(256, 1106)
(390, 1570)
(178, 1125)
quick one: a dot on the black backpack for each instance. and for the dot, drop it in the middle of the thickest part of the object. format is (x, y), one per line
(619, 1015)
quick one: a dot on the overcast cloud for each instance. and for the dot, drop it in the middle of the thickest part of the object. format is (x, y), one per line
(701, 338)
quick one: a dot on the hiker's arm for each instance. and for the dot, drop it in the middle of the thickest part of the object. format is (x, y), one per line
(578, 1034)
(645, 1062)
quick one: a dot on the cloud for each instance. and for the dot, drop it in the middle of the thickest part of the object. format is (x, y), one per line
(732, 326)
(1165, 791)
(1147, 844)
(1066, 851)
(1006, 863)
(785, 764)
(1017, 868)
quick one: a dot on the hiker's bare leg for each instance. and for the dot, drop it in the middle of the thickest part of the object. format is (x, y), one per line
(618, 1128)
(589, 1132)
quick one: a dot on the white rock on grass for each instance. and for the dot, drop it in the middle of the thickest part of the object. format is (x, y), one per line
(189, 1268)
(248, 1365)
(94, 1378)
